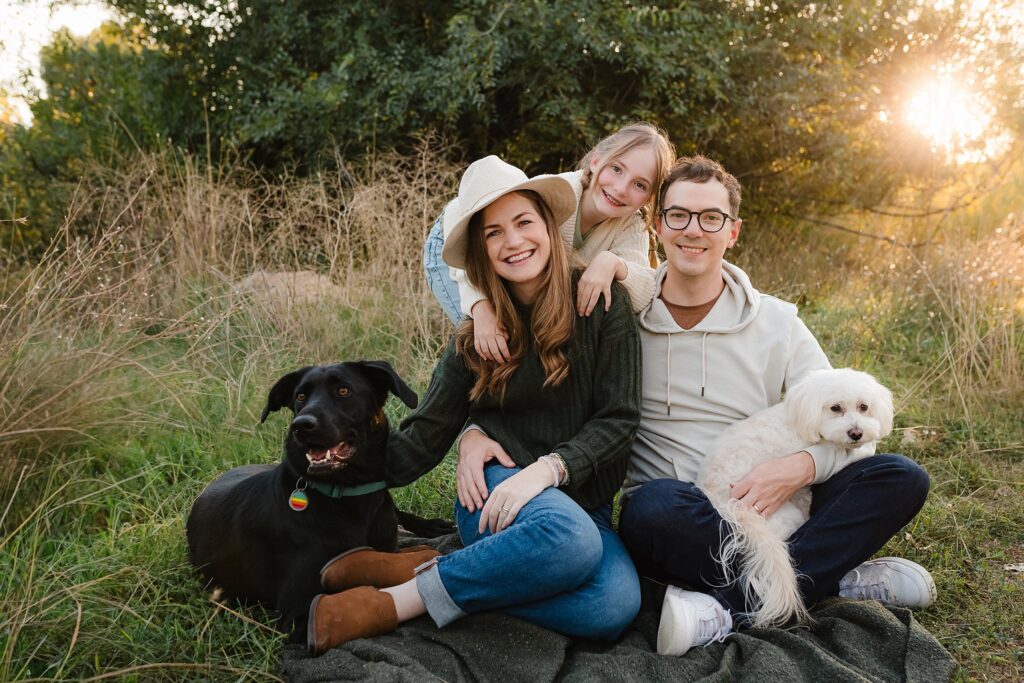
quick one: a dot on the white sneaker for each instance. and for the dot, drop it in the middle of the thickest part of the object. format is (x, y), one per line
(891, 580)
(689, 618)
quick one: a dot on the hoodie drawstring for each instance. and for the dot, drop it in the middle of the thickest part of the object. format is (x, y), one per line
(668, 377)
(703, 363)
(668, 369)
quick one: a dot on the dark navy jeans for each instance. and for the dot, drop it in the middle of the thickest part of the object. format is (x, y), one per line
(674, 533)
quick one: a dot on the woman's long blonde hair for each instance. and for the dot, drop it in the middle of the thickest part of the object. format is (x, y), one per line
(553, 318)
(637, 134)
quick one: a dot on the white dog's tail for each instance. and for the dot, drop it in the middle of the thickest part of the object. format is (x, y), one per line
(766, 574)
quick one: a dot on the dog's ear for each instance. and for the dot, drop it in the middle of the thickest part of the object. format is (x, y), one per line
(385, 379)
(883, 408)
(804, 406)
(281, 393)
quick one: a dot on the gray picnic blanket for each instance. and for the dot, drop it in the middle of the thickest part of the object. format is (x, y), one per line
(850, 641)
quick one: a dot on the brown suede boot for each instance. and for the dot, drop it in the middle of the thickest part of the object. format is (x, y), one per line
(414, 549)
(362, 612)
(368, 567)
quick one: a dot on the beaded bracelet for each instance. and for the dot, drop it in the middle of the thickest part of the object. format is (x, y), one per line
(558, 469)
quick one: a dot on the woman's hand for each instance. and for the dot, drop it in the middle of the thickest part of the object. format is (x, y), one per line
(476, 449)
(489, 340)
(597, 280)
(768, 486)
(509, 497)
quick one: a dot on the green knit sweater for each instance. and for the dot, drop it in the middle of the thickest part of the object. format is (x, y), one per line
(590, 419)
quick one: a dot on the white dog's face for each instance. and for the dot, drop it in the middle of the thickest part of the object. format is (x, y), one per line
(843, 406)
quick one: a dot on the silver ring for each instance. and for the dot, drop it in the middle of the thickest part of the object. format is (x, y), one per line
(506, 510)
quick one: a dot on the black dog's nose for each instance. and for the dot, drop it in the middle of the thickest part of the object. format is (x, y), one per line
(304, 423)
(854, 434)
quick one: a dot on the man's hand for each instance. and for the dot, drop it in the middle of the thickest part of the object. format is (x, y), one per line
(489, 340)
(512, 494)
(476, 449)
(771, 484)
(597, 280)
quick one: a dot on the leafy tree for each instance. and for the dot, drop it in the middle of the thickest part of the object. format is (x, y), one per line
(788, 93)
(792, 96)
(106, 95)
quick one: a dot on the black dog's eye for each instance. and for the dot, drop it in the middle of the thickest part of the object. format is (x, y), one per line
(836, 408)
(343, 391)
(863, 407)
(299, 398)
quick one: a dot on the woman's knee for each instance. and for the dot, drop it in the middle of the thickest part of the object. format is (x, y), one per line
(618, 612)
(572, 542)
(618, 587)
(559, 539)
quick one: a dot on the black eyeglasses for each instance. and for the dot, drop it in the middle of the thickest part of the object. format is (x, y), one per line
(709, 220)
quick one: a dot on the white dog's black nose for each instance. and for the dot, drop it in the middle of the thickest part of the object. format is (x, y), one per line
(304, 423)
(855, 434)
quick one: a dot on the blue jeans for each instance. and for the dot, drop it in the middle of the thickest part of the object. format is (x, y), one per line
(556, 565)
(674, 533)
(439, 277)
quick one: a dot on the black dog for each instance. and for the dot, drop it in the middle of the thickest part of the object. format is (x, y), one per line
(263, 532)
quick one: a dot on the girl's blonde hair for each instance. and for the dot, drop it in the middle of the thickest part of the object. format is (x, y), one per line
(551, 325)
(637, 134)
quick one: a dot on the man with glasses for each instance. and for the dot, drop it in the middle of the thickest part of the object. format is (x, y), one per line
(716, 351)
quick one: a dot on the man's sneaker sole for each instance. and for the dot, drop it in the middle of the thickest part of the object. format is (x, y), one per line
(681, 615)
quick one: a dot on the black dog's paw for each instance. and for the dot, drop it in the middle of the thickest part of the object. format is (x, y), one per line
(425, 528)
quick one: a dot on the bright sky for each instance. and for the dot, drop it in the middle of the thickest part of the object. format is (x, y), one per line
(27, 25)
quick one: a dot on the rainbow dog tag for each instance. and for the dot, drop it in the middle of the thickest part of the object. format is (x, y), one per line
(299, 501)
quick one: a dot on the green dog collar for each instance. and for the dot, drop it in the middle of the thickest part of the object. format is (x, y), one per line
(339, 491)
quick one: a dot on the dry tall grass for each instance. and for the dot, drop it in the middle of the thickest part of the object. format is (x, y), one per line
(151, 257)
(944, 315)
(137, 317)
(153, 254)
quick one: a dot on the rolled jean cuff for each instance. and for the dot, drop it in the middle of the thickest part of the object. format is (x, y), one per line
(440, 606)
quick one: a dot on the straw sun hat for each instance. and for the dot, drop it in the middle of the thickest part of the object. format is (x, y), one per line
(485, 181)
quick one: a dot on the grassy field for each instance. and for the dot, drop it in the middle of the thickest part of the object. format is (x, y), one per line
(134, 366)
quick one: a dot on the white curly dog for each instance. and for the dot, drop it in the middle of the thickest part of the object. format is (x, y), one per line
(845, 407)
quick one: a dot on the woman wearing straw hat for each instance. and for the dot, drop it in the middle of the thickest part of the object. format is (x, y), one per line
(610, 232)
(565, 406)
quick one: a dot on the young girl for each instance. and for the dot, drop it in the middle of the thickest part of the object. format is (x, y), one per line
(565, 407)
(614, 186)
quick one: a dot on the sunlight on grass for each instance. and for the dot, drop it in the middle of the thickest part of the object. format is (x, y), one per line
(150, 361)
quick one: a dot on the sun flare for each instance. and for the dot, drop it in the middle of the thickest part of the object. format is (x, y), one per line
(946, 114)
(954, 119)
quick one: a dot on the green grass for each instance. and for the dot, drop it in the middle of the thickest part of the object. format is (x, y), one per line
(94, 580)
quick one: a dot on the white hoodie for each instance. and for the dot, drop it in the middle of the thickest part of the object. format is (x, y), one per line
(738, 360)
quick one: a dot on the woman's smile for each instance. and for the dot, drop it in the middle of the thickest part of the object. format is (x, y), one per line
(517, 259)
(517, 243)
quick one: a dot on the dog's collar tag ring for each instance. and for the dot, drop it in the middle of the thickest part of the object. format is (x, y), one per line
(299, 501)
